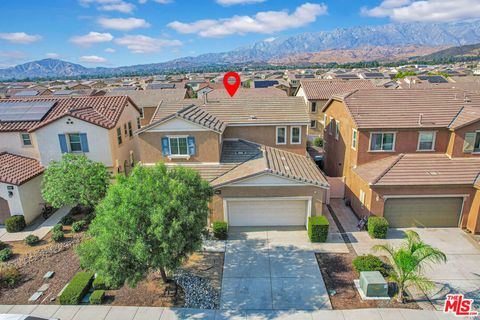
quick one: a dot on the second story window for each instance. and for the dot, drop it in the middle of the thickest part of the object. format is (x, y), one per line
(281, 135)
(295, 135)
(178, 146)
(139, 123)
(314, 106)
(382, 141)
(426, 141)
(26, 139)
(313, 124)
(142, 113)
(472, 142)
(330, 126)
(354, 139)
(119, 135)
(73, 142)
(130, 129)
(337, 129)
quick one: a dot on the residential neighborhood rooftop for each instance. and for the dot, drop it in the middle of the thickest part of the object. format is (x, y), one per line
(15, 169)
(324, 89)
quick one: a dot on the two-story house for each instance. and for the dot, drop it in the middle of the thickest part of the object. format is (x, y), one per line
(412, 156)
(252, 150)
(35, 131)
(317, 92)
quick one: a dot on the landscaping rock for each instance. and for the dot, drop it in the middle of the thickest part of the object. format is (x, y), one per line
(199, 293)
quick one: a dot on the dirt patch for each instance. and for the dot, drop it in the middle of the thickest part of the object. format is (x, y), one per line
(338, 275)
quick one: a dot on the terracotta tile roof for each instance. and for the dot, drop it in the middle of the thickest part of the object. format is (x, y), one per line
(151, 98)
(207, 171)
(17, 170)
(423, 169)
(247, 93)
(102, 111)
(264, 110)
(325, 89)
(277, 162)
(389, 109)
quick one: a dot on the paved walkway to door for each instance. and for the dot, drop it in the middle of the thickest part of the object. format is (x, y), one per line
(271, 269)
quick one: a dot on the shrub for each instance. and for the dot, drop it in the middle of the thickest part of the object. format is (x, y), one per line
(3, 245)
(9, 276)
(77, 288)
(318, 142)
(318, 228)
(368, 262)
(78, 226)
(58, 227)
(89, 217)
(58, 236)
(5, 254)
(32, 240)
(97, 297)
(15, 223)
(67, 220)
(377, 227)
(220, 230)
(99, 283)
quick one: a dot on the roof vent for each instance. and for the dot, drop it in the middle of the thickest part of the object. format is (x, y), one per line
(287, 168)
(466, 99)
(433, 173)
(253, 117)
(420, 118)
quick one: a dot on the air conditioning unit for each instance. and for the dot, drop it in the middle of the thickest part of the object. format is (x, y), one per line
(373, 284)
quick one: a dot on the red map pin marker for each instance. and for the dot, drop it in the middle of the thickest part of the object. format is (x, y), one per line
(231, 87)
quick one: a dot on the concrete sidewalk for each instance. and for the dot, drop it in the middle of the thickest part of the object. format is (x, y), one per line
(147, 313)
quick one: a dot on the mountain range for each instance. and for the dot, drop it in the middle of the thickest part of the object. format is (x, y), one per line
(362, 43)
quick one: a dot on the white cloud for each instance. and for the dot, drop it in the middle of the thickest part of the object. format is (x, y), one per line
(145, 44)
(263, 22)
(20, 37)
(91, 38)
(52, 55)
(234, 2)
(271, 39)
(157, 1)
(425, 10)
(92, 59)
(109, 5)
(110, 50)
(123, 24)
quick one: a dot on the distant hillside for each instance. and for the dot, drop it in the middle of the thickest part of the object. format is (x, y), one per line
(461, 51)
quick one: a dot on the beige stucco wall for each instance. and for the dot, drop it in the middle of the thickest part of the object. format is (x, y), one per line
(473, 221)
(12, 142)
(26, 199)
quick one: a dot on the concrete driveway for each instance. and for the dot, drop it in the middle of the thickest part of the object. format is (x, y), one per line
(271, 269)
(461, 273)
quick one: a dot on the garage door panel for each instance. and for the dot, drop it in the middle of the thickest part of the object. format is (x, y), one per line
(423, 212)
(267, 212)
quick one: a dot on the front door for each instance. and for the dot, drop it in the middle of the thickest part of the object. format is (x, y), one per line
(4, 210)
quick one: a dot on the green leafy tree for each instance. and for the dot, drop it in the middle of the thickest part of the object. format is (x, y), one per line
(151, 220)
(75, 180)
(409, 261)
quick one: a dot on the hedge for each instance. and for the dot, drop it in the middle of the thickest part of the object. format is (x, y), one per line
(377, 227)
(15, 223)
(220, 230)
(77, 288)
(368, 262)
(97, 297)
(318, 228)
(99, 283)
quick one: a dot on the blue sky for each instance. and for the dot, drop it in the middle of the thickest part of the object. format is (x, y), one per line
(125, 32)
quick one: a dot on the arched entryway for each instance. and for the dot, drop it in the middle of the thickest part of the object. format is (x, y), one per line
(4, 210)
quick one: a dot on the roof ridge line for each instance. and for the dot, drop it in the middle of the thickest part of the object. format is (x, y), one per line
(399, 157)
(456, 117)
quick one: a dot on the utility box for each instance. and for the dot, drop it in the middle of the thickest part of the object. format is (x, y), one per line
(373, 284)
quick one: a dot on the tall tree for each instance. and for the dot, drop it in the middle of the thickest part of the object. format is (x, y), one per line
(151, 220)
(409, 261)
(75, 180)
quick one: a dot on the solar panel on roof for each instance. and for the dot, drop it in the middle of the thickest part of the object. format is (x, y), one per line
(25, 111)
(26, 93)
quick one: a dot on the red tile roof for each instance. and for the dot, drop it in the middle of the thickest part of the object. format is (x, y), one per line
(100, 110)
(15, 169)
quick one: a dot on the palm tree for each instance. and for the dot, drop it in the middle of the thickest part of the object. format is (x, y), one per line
(409, 261)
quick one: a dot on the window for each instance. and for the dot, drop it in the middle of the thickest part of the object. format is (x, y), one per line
(125, 129)
(130, 129)
(426, 141)
(139, 124)
(119, 135)
(26, 139)
(281, 135)
(476, 147)
(324, 120)
(362, 197)
(74, 142)
(295, 135)
(472, 142)
(142, 113)
(337, 129)
(313, 124)
(354, 139)
(314, 107)
(178, 146)
(330, 126)
(384, 141)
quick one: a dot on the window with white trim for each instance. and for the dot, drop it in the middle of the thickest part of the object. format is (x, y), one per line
(362, 197)
(313, 124)
(130, 129)
(426, 140)
(281, 135)
(119, 135)
(337, 129)
(382, 141)
(74, 142)
(314, 107)
(178, 146)
(295, 135)
(354, 138)
(471, 142)
(139, 123)
(330, 125)
(26, 139)
(142, 113)
(325, 120)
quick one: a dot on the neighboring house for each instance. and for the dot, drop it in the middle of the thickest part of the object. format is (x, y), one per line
(317, 92)
(247, 93)
(20, 181)
(412, 156)
(253, 151)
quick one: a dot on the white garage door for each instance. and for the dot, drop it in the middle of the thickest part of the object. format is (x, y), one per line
(271, 212)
